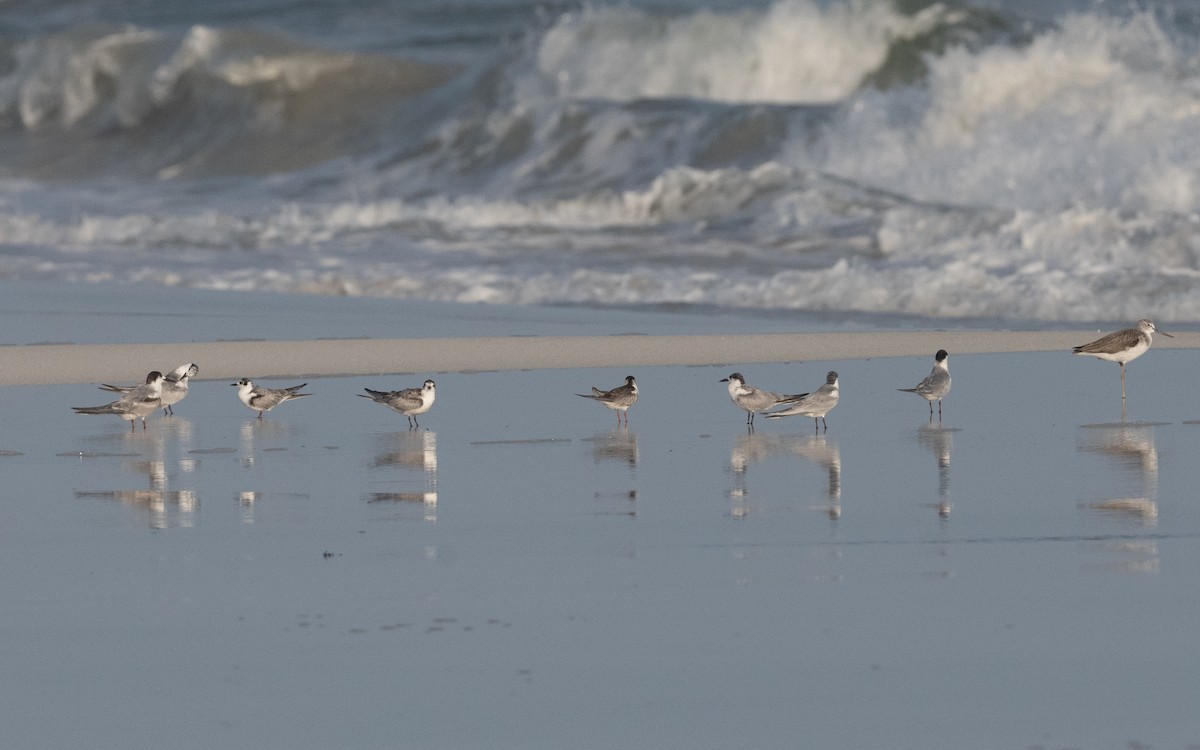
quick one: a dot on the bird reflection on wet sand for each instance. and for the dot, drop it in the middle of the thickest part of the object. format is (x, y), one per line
(410, 452)
(255, 437)
(940, 441)
(166, 508)
(614, 445)
(755, 448)
(1129, 450)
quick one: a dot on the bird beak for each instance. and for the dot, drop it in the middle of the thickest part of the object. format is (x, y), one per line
(1159, 330)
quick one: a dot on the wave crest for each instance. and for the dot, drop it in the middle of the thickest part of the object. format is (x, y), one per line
(128, 100)
(794, 52)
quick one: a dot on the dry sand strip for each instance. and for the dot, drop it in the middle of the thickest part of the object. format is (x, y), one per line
(88, 363)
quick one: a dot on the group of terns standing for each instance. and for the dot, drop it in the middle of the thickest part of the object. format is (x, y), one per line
(1121, 347)
(821, 401)
(759, 401)
(164, 391)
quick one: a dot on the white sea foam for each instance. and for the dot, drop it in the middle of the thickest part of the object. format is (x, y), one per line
(754, 159)
(795, 51)
(1098, 111)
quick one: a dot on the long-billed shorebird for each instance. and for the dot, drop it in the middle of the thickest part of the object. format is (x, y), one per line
(1123, 346)
(816, 404)
(937, 385)
(619, 399)
(754, 399)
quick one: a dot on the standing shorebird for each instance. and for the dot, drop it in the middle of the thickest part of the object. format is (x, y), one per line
(619, 399)
(937, 385)
(754, 399)
(140, 401)
(1123, 346)
(816, 404)
(410, 402)
(262, 399)
(174, 386)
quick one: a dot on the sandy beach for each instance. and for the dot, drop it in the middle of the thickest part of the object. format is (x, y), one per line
(519, 572)
(270, 339)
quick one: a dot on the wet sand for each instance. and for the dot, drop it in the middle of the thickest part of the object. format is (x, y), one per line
(107, 333)
(519, 572)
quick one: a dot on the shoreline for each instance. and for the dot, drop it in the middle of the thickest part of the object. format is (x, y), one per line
(52, 364)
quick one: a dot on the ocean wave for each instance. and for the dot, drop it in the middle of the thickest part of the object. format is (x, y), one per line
(125, 100)
(793, 52)
(955, 162)
(798, 242)
(1095, 111)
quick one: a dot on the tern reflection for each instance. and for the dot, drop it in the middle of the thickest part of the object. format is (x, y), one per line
(615, 445)
(166, 508)
(939, 440)
(753, 448)
(257, 436)
(410, 452)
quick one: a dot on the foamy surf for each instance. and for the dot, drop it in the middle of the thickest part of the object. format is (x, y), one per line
(944, 162)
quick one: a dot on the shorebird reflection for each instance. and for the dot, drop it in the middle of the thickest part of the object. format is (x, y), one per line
(249, 501)
(410, 451)
(427, 500)
(755, 448)
(940, 441)
(615, 445)
(166, 508)
(1129, 450)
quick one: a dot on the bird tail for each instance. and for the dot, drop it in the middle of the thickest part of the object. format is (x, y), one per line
(373, 395)
(114, 388)
(106, 409)
(793, 399)
(781, 414)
